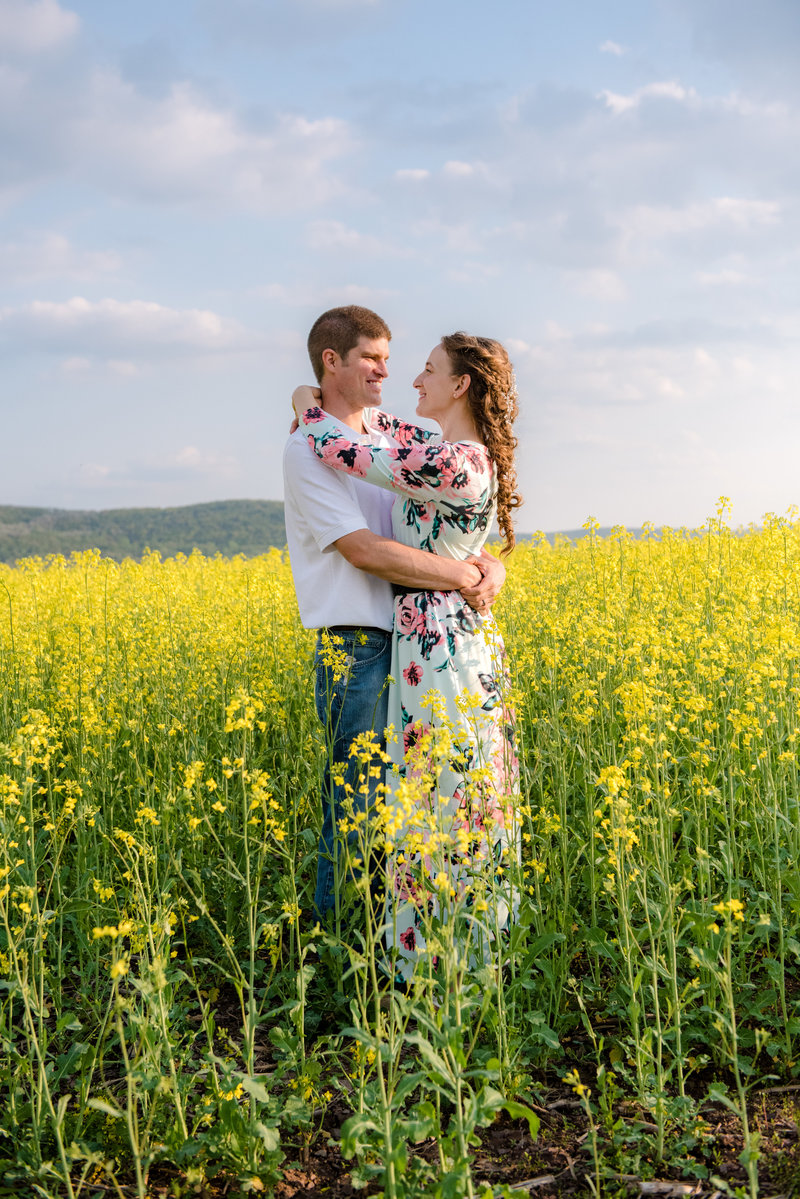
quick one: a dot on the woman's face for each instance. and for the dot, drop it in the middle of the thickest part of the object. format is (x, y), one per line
(436, 385)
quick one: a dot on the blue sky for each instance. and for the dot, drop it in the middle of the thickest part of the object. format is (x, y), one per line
(609, 188)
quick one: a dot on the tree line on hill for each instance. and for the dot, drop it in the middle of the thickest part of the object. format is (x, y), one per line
(226, 527)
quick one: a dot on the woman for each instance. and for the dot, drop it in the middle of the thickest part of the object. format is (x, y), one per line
(449, 822)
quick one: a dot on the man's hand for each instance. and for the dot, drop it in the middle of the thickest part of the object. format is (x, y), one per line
(493, 576)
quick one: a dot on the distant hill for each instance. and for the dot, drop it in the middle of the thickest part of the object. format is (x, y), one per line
(227, 527)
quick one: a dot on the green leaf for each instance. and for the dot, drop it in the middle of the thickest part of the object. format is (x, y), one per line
(354, 1134)
(717, 1094)
(421, 1122)
(518, 1111)
(437, 1064)
(108, 1109)
(407, 1084)
(364, 1038)
(271, 1137)
(544, 942)
(252, 1086)
(541, 1030)
(69, 1022)
(794, 945)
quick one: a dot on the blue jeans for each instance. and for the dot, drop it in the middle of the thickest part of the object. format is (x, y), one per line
(354, 703)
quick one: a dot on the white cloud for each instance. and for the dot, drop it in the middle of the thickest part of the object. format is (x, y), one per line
(598, 285)
(724, 278)
(553, 331)
(304, 295)
(50, 256)
(705, 360)
(94, 471)
(609, 47)
(458, 170)
(105, 327)
(336, 236)
(412, 174)
(756, 41)
(123, 368)
(190, 462)
(114, 366)
(34, 26)
(732, 212)
(76, 365)
(173, 147)
(679, 423)
(192, 459)
(182, 147)
(667, 90)
(281, 24)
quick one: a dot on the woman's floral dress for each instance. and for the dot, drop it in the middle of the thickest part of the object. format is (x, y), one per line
(450, 816)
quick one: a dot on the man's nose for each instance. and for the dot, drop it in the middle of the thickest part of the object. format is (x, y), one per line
(383, 368)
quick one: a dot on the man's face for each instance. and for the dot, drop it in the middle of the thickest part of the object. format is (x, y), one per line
(360, 375)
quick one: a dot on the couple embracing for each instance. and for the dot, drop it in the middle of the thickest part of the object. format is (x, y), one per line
(386, 524)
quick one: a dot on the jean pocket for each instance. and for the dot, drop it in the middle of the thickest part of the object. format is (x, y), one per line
(361, 657)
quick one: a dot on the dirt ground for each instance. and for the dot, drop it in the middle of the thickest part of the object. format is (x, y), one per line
(559, 1163)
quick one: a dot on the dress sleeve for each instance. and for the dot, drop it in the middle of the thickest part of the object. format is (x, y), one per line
(400, 430)
(455, 470)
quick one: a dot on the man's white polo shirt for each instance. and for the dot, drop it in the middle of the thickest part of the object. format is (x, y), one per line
(321, 505)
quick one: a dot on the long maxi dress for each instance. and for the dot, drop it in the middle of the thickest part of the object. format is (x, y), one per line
(453, 785)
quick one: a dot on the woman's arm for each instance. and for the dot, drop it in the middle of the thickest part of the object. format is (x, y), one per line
(454, 470)
(402, 432)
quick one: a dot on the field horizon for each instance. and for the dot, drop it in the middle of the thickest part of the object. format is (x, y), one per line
(227, 527)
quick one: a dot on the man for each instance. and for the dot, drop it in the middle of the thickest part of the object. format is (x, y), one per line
(344, 562)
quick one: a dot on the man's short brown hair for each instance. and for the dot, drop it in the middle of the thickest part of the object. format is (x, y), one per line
(339, 329)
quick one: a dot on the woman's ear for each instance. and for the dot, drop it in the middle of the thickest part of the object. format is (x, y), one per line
(462, 387)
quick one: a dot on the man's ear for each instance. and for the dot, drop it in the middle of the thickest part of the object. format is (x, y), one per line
(330, 359)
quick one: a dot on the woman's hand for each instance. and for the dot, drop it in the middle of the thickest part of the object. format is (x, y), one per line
(493, 575)
(304, 398)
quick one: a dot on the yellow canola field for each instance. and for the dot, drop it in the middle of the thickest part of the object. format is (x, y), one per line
(159, 764)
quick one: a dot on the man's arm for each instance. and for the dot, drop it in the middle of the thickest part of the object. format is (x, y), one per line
(404, 564)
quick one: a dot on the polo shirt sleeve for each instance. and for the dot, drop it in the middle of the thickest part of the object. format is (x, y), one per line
(324, 500)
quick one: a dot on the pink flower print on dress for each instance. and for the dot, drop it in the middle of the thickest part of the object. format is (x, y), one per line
(357, 457)
(407, 615)
(403, 884)
(417, 617)
(413, 674)
(411, 735)
(408, 939)
(313, 416)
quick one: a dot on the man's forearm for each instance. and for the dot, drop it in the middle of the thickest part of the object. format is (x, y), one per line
(405, 565)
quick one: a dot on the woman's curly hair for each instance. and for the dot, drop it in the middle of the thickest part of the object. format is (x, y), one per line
(492, 402)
